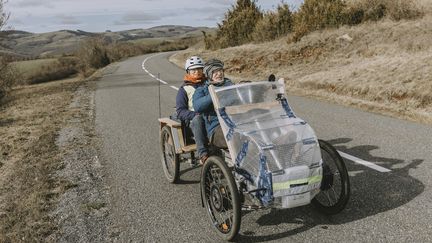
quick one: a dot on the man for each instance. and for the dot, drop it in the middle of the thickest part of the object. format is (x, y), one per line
(193, 79)
(202, 102)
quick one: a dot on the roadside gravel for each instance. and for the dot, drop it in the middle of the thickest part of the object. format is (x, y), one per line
(82, 211)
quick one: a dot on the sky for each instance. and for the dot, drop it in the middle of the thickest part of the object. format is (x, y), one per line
(39, 16)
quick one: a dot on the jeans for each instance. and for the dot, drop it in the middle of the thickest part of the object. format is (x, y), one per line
(200, 134)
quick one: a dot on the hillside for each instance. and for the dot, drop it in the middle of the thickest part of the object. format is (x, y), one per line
(27, 44)
(384, 67)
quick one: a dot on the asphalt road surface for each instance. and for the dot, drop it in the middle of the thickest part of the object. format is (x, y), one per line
(391, 197)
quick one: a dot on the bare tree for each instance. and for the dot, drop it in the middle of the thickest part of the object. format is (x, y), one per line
(7, 76)
(4, 16)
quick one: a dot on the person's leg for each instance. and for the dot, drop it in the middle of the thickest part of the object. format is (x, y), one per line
(200, 134)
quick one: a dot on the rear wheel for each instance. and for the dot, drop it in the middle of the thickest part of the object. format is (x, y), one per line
(170, 160)
(335, 186)
(220, 197)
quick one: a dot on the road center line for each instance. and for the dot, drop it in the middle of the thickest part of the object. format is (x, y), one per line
(364, 162)
(344, 155)
(152, 75)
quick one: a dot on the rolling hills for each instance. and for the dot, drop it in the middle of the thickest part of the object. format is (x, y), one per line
(29, 45)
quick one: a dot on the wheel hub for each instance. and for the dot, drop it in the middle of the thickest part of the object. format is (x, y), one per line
(216, 198)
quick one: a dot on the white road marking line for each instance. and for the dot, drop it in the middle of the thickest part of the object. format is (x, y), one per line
(160, 80)
(152, 75)
(363, 162)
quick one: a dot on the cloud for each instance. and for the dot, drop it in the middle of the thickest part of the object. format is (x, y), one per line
(212, 14)
(18, 22)
(224, 2)
(68, 20)
(33, 3)
(99, 15)
(137, 18)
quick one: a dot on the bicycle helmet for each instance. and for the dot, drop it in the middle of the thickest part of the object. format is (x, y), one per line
(194, 62)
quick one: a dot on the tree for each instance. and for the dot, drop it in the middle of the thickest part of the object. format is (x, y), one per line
(93, 54)
(7, 73)
(4, 16)
(239, 24)
(274, 24)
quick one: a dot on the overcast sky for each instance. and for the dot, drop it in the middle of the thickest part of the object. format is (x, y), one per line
(100, 15)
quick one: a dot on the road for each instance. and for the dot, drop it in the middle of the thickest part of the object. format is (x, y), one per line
(384, 206)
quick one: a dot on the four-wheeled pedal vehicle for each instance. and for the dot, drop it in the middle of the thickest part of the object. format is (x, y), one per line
(273, 158)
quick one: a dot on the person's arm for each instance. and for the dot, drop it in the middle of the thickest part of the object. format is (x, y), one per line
(182, 108)
(201, 100)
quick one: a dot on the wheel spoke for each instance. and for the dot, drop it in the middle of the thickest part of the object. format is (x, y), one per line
(328, 198)
(334, 193)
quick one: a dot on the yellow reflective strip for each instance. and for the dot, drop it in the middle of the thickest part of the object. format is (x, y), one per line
(315, 179)
(287, 184)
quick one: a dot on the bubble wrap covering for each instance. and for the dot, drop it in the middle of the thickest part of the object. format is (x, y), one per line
(273, 150)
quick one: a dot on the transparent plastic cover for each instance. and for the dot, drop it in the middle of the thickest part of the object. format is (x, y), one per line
(264, 136)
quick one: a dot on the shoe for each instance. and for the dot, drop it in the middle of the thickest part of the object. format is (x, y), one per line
(203, 159)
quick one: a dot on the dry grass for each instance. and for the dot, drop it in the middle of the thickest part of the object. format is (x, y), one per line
(29, 124)
(45, 70)
(383, 66)
(31, 67)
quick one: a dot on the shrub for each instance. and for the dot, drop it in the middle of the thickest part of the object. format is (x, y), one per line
(209, 41)
(237, 26)
(93, 54)
(62, 68)
(318, 14)
(265, 28)
(274, 24)
(395, 9)
(8, 76)
(96, 52)
(245, 22)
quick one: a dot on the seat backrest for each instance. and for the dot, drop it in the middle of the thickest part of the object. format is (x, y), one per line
(186, 130)
(187, 134)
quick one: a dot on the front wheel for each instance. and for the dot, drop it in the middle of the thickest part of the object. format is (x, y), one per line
(221, 198)
(335, 185)
(170, 160)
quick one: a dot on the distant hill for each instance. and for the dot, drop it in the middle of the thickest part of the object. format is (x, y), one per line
(26, 44)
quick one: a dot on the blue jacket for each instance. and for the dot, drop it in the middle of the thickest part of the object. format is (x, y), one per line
(203, 104)
(184, 109)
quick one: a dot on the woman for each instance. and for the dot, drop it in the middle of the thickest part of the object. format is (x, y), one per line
(193, 79)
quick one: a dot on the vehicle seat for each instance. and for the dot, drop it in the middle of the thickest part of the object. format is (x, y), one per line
(186, 130)
(187, 134)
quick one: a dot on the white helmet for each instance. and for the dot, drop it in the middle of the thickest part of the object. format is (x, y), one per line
(194, 62)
